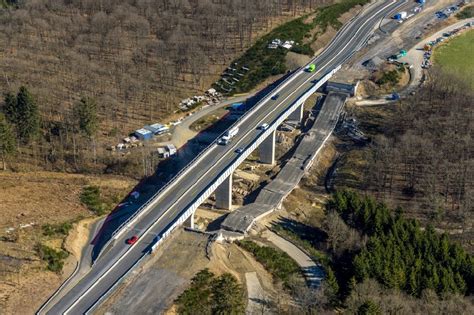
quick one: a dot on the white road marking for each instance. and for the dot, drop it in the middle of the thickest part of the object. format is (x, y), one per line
(158, 220)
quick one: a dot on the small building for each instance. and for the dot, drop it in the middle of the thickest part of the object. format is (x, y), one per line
(171, 149)
(143, 134)
(162, 152)
(167, 151)
(157, 129)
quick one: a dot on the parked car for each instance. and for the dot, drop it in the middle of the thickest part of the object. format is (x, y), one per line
(132, 240)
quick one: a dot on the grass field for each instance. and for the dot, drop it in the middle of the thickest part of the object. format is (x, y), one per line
(457, 57)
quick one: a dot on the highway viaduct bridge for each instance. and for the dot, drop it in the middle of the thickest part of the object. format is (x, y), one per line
(211, 171)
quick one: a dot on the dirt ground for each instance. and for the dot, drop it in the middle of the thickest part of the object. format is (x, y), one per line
(168, 273)
(27, 202)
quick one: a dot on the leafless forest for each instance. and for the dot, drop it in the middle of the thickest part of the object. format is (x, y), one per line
(136, 58)
(427, 157)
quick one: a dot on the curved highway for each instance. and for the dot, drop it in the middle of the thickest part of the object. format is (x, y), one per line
(183, 192)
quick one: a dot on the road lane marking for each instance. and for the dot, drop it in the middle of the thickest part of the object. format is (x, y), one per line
(225, 155)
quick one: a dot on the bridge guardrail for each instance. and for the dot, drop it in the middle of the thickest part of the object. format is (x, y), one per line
(189, 211)
(139, 212)
(211, 188)
(142, 208)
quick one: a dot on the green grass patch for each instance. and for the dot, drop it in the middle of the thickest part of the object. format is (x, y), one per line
(91, 198)
(456, 57)
(277, 262)
(305, 244)
(264, 62)
(466, 13)
(56, 229)
(54, 258)
(391, 77)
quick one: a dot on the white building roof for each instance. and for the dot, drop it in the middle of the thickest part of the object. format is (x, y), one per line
(142, 131)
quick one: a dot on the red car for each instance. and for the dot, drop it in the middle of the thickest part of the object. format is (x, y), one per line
(132, 240)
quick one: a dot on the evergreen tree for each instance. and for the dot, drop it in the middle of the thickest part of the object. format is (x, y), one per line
(7, 140)
(196, 299)
(85, 114)
(27, 116)
(10, 108)
(369, 308)
(400, 255)
(227, 296)
(210, 295)
(332, 287)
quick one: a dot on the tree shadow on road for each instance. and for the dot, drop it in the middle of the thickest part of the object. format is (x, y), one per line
(315, 236)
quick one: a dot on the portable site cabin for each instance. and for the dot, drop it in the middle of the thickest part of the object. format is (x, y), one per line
(167, 151)
(157, 129)
(143, 134)
(171, 149)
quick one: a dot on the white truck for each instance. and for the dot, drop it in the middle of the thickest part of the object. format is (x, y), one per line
(225, 139)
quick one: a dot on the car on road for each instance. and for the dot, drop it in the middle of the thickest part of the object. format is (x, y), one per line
(311, 67)
(275, 97)
(222, 141)
(239, 150)
(263, 127)
(132, 240)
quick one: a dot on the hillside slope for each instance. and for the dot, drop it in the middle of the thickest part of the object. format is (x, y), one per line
(137, 58)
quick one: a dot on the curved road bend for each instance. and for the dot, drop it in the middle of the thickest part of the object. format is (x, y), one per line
(121, 257)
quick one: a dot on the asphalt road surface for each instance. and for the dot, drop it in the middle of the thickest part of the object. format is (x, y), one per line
(121, 257)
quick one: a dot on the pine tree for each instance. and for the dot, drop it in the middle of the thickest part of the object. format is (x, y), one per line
(27, 116)
(369, 308)
(227, 296)
(332, 287)
(196, 299)
(7, 140)
(10, 108)
(85, 114)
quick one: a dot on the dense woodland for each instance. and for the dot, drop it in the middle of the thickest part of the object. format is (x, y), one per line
(406, 261)
(134, 59)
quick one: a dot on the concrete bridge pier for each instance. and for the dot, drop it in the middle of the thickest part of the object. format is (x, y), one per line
(297, 115)
(224, 194)
(267, 149)
(190, 221)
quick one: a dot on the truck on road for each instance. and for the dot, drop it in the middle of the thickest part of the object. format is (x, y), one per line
(225, 139)
(400, 16)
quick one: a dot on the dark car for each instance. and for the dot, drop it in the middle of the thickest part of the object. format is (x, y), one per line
(132, 240)
(275, 97)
